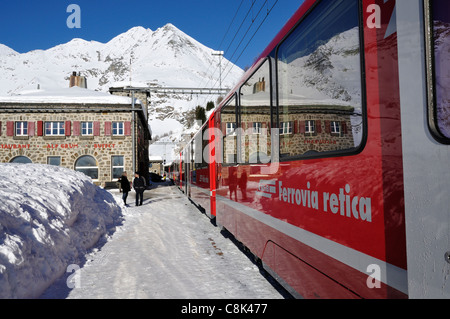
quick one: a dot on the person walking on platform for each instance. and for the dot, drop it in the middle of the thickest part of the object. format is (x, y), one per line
(125, 186)
(139, 187)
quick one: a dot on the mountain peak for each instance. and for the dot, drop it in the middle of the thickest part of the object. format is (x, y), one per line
(155, 57)
(7, 51)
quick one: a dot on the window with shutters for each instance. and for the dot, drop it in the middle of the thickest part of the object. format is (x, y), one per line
(87, 128)
(118, 129)
(21, 129)
(321, 106)
(54, 129)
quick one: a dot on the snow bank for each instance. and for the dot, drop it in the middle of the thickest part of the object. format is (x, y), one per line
(49, 218)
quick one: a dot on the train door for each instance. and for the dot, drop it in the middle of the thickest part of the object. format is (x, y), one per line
(424, 69)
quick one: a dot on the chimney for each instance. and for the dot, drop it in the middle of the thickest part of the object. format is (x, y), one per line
(78, 80)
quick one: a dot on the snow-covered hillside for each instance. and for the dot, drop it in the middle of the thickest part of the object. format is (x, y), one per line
(49, 218)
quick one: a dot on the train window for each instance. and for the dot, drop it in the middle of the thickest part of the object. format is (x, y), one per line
(255, 117)
(228, 118)
(320, 108)
(439, 79)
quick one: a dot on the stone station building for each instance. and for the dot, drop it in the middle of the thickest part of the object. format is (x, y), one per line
(92, 132)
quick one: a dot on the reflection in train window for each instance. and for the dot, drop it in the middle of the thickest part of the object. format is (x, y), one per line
(440, 22)
(319, 78)
(255, 117)
(229, 120)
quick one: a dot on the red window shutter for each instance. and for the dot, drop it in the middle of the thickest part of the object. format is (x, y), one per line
(0, 128)
(76, 128)
(31, 128)
(40, 128)
(224, 129)
(302, 127)
(318, 127)
(344, 128)
(107, 128)
(328, 127)
(296, 127)
(96, 128)
(10, 128)
(68, 128)
(127, 127)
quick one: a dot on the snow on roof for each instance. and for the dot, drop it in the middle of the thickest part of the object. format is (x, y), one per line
(74, 95)
(155, 158)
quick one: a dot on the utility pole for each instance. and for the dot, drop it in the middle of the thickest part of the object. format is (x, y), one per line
(220, 55)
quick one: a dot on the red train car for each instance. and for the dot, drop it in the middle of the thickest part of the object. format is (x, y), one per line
(329, 159)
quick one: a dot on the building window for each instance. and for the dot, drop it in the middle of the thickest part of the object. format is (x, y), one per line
(54, 129)
(21, 160)
(87, 128)
(118, 166)
(257, 127)
(54, 160)
(310, 127)
(231, 128)
(21, 128)
(118, 129)
(336, 128)
(285, 128)
(87, 165)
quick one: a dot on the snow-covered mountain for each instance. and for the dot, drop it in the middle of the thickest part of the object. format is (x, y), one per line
(166, 57)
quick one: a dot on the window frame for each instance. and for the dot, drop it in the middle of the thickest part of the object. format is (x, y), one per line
(225, 160)
(286, 129)
(432, 105)
(88, 167)
(310, 127)
(116, 167)
(118, 128)
(52, 128)
(53, 157)
(330, 154)
(257, 128)
(28, 160)
(89, 130)
(269, 87)
(21, 131)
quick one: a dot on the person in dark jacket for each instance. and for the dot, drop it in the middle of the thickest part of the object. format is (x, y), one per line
(125, 186)
(139, 187)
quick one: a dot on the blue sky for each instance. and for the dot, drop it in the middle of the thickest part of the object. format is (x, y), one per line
(27, 25)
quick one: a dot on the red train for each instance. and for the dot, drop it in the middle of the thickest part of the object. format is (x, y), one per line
(329, 160)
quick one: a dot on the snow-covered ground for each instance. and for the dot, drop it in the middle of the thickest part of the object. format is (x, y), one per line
(55, 225)
(166, 249)
(49, 218)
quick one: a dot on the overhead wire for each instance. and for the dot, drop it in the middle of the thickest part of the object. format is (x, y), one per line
(235, 35)
(249, 41)
(226, 33)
